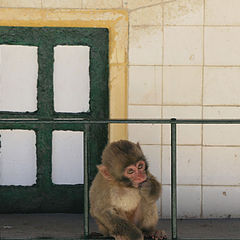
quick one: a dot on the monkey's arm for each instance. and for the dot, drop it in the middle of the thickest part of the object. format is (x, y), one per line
(150, 192)
(151, 189)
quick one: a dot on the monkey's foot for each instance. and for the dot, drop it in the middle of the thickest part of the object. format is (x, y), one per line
(120, 238)
(157, 235)
(125, 238)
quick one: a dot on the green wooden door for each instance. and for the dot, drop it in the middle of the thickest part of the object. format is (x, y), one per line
(44, 196)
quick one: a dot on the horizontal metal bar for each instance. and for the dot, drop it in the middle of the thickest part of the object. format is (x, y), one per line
(77, 238)
(208, 121)
(84, 121)
(109, 238)
(208, 238)
(127, 121)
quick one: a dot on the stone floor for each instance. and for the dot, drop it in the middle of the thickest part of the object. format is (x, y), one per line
(19, 226)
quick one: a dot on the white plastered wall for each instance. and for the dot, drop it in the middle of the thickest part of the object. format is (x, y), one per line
(184, 63)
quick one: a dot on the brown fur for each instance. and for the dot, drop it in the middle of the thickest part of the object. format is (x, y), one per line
(121, 210)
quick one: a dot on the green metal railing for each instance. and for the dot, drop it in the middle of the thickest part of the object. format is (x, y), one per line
(8, 123)
(173, 122)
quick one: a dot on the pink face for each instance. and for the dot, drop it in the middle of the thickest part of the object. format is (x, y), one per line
(136, 173)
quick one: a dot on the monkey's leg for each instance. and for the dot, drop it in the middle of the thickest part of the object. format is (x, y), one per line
(118, 226)
(102, 229)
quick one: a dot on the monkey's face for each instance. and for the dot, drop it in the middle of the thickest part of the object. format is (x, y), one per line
(125, 162)
(136, 173)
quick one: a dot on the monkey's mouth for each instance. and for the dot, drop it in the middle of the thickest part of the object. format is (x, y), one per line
(140, 184)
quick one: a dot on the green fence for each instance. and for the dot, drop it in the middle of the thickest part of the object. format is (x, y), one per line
(15, 123)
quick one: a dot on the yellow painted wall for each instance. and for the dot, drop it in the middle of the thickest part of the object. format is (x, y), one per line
(117, 23)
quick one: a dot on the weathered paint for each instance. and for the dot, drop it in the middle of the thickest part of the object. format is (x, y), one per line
(117, 23)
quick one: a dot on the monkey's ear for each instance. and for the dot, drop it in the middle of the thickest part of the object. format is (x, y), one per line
(138, 145)
(104, 171)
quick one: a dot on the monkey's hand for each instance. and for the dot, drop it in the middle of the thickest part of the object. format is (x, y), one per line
(150, 189)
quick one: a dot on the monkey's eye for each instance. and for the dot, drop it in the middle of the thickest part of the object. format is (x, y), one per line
(130, 171)
(140, 166)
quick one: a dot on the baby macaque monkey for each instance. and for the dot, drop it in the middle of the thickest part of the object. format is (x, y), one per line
(123, 194)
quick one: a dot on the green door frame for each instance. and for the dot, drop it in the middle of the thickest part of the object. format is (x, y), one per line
(45, 196)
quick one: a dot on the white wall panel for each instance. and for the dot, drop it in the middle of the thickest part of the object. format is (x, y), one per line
(67, 157)
(18, 78)
(18, 165)
(71, 79)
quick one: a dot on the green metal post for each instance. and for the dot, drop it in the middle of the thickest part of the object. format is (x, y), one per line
(173, 179)
(86, 187)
